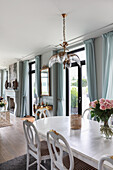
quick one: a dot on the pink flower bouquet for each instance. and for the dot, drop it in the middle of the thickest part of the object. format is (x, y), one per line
(101, 109)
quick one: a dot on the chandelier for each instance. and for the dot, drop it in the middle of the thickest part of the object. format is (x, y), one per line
(63, 56)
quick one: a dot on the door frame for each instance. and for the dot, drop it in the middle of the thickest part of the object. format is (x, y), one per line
(79, 83)
(30, 85)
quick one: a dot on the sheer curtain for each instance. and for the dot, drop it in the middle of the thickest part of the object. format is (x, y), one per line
(107, 65)
(91, 69)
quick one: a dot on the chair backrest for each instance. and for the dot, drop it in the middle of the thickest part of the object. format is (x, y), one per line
(42, 113)
(32, 137)
(55, 140)
(86, 113)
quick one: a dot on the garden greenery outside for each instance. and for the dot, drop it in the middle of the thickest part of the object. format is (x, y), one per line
(74, 91)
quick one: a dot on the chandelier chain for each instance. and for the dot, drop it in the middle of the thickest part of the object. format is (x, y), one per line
(64, 36)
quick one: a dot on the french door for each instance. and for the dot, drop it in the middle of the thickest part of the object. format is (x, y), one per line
(76, 86)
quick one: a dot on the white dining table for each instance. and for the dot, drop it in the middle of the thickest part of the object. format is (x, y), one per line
(87, 144)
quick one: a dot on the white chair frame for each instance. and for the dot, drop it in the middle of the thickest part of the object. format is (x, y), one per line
(57, 156)
(43, 113)
(105, 158)
(33, 145)
(87, 110)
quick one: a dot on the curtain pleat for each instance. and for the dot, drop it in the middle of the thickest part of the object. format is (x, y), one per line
(107, 65)
(25, 90)
(60, 90)
(91, 69)
(37, 76)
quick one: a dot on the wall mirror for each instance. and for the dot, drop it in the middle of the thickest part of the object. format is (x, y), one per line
(45, 81)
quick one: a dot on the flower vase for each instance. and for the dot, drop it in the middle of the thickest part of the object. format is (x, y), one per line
(1, 108)
(106, 131)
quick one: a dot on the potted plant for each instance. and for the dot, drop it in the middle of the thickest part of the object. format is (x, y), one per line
(102, 109)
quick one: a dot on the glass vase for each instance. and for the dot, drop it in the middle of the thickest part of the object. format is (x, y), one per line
(106, 131)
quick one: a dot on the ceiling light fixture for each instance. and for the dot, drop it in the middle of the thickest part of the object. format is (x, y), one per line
(63, 56)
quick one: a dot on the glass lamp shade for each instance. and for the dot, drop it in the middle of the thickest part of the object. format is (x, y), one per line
(54, 59)
(62, 57)
(74, 58)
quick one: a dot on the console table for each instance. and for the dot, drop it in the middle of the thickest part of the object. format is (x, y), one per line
(48, 107)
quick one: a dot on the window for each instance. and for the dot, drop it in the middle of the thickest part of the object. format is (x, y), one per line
(76, 86)
(32, 89)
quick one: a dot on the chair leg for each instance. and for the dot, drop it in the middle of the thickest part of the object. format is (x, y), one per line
(51, 165)
(27, 167)
(38, 166)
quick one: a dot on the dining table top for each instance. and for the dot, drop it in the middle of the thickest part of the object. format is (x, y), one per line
(86, 143)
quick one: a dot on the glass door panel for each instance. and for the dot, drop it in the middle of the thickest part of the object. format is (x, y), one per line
(73, 90)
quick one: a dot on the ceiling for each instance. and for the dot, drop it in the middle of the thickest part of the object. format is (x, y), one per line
(30, 26)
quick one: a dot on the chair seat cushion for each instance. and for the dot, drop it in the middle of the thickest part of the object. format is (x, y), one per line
(44, 148)
(78, 164)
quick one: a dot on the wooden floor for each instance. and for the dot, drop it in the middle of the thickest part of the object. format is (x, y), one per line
(12, 140)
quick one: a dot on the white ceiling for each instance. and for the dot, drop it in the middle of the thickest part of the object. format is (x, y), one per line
(29, 26)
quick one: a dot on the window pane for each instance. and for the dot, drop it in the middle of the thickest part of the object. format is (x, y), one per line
(33, 67)
(85, 97)
(82, 55)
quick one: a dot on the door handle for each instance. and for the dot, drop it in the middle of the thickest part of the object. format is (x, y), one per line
(79, 99)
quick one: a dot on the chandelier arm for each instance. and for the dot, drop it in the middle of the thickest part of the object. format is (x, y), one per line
(74, 57)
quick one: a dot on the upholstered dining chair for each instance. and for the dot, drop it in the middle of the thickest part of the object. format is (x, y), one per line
(42, 113)
(59, 158)
(58, 161)
(38, 149)
(105, 158)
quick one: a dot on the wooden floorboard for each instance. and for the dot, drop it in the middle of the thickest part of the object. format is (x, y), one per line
(12, 140)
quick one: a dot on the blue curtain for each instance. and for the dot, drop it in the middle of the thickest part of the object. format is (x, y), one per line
(60, 90)
(25, 90)
(91, 69)
(37, 76)
(107, 66)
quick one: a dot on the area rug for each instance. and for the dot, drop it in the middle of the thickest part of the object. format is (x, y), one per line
(5, 124)
(29, 118)
(19, 163)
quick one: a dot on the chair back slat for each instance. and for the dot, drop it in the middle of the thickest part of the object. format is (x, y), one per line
(86, 113)
(55, 142)
(31, 135)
